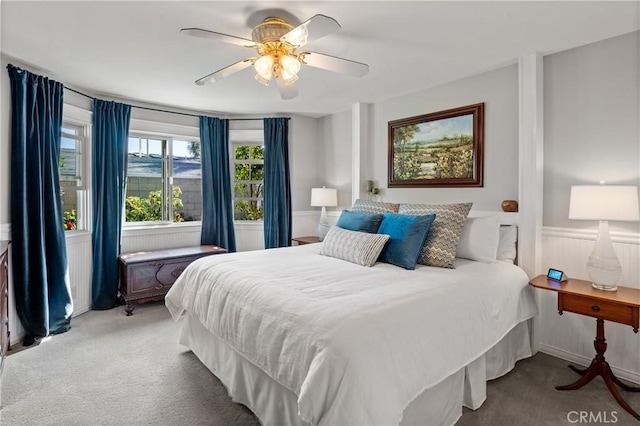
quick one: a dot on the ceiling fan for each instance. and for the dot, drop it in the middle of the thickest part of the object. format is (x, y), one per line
(277, 43)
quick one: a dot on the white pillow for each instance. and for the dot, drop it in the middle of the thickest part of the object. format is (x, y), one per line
(361, 248)
(479, 240)
(507, 243)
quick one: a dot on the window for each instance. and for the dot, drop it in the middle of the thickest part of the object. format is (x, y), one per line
(163, 180)
(72, 176)
(248, 163)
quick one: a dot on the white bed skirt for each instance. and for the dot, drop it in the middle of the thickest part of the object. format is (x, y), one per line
(274, 404)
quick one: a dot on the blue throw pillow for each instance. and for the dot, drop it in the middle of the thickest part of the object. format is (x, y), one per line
(407, 235)
(360, 222)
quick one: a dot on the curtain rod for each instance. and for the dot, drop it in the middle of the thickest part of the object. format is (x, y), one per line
(164, 110)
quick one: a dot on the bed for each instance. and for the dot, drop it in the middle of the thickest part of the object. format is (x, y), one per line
(301, 338)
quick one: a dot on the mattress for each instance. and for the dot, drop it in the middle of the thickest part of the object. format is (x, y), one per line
(351, 342)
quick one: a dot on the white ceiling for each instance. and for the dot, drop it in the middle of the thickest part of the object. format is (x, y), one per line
(133, 50)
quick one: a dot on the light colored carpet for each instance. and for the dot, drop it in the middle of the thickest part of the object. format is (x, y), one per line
(110, 369)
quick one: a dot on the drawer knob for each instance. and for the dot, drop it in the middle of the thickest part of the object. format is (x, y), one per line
(595, 308)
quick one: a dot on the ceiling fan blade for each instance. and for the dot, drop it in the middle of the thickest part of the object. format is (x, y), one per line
(335, 64)
(312, 29)
(211, 35)
(225, 72)
(287, 91)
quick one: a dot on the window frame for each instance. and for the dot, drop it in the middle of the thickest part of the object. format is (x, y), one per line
(83, 163)
(167, 178)
(232, 147)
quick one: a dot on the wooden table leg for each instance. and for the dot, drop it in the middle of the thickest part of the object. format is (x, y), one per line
(600, 367)
(129, 309)
(580, 371)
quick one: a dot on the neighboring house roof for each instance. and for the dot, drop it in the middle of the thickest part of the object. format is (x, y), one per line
(140, 166)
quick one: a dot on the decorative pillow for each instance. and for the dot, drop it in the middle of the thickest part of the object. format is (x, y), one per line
(439, 248)
(479, 239)
(362, 222)
(368, 206)
(406, 238)
(507, 243)
(355, 247)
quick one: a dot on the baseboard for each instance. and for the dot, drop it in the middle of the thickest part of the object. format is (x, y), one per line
(80, 311)
(584, 361)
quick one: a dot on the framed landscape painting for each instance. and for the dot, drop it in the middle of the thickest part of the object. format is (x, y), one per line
(441, 149)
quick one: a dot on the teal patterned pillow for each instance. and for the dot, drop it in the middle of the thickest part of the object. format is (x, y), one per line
(361, 248)
(369, 206)
(440, 247)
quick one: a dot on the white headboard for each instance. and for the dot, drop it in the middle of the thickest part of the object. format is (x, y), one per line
(505, 218)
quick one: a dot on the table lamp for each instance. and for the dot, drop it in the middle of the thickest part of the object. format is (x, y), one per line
(323, 197)
(604, 203)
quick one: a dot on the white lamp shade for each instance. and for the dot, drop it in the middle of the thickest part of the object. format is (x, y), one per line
(324, 197)
(604, 202)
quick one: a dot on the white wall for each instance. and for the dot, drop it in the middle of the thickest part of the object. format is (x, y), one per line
(335, 135)
(305, 159)
(498, 89)
(592, 123)
(591, 133)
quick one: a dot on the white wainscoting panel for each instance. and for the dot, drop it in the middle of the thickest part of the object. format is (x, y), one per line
(570, 336)
(79, 258)
(249, 236)
(15, 327)
(79, 264)
(159, 237)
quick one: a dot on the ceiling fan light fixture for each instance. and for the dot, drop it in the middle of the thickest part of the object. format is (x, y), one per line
(263, 79)
(270, 30)
(290, 64)
(288, 78)
(276, 43)
(264, 66)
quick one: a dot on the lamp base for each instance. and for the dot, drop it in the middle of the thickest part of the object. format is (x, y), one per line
(323, 228)
(603, 265)
(604, 287)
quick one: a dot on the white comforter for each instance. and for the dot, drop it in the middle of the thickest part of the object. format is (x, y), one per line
(356, 344)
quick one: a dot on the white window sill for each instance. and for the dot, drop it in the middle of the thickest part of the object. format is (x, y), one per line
(76, 234)
(248, 223)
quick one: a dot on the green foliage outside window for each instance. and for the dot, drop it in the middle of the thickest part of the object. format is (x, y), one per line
(248, 185)
(69, 220)
(138, 209)
(194, 149)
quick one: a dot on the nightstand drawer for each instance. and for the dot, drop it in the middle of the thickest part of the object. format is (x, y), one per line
(623, 314)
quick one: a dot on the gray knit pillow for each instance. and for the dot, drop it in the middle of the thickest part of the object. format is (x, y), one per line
(369, 206)
(440, 247)
(361, 248)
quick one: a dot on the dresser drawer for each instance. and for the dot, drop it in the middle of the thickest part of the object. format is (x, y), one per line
(623, 314)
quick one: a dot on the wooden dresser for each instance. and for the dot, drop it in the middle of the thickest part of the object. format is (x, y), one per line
(4, 305)
(148, 275)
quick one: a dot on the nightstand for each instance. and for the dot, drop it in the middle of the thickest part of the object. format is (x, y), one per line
(621, 306)
(306, 240)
